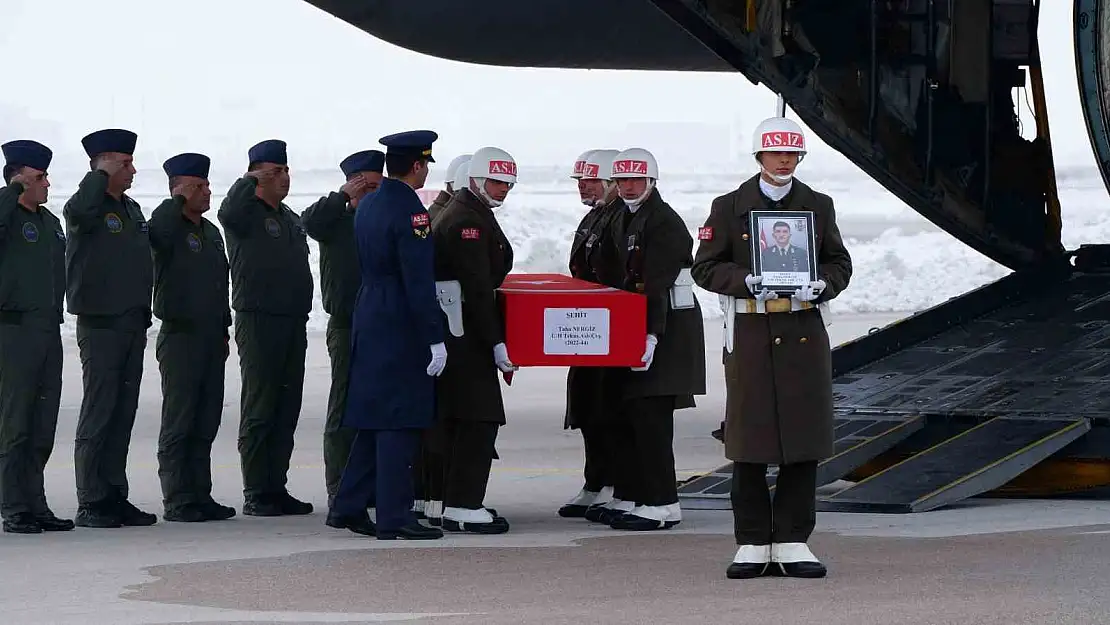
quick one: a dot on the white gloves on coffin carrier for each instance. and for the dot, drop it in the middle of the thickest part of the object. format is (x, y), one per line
(501, 359)
(439, 359)
(649, 353)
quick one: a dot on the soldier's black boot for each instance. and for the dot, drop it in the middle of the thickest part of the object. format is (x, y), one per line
(50, 523)
(22, 523)
(357, 524)
(215, 512)
(262, 505)
(291, 505)
(131, 516)
(188, 513)
(98, 514)
(750, 561)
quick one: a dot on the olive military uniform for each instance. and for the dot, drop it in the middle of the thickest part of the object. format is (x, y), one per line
(32, 288)
(331, 222)
(438, 204)
(110, 279)
(272, 296)
(190, 297)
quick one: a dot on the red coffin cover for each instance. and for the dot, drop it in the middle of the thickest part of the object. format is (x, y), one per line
(556, 320)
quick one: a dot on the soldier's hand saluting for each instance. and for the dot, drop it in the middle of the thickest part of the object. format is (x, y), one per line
(187, 190)
(355, 187)
(110, 165)
(263, 176)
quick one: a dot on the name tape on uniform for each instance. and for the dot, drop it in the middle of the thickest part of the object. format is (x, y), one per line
(705, 233)
(471, 233)
(419, 220)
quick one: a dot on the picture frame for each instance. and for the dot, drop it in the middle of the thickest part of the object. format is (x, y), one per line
(783, 249)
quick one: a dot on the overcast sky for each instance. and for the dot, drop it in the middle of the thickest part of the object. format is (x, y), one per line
(216, 76)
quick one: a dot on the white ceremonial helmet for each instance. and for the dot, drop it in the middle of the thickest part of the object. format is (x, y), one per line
(453, 168)
(599, 166)
(494, 164)
(636, 163)
(579, 162)
(462, 176)
(778, 134)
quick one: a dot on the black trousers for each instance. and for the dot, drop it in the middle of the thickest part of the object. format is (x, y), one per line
(467, 460)
(792, 515)
(598, 444)
(428, 469)
(643, 452)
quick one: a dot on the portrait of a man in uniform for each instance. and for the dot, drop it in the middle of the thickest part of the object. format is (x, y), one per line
(784, 250)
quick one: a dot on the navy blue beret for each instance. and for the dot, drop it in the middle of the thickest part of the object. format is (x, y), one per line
(110, 140)
(416, 143)
(367, 160)
(269, 151)
(188, 164)
(24, 153)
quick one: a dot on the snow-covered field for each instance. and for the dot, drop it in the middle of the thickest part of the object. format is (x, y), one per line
(902, 262)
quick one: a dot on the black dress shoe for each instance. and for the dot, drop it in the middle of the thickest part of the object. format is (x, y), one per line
(573, 511)
(796, 560)
(357, 524)
(131, 516)
(751, 561)
(632, 523)
(292, 506)
(22, 523)
(188, 513)
(101, 514)
(262, 505)
(806, 570)
(213, 511)
(412, 531)
(50, 523)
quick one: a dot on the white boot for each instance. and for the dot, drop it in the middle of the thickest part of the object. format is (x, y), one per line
(796, 560)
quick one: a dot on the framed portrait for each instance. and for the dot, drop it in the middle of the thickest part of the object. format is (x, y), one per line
(783, 249)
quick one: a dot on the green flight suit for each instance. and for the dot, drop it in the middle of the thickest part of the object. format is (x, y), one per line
(32, 288)
(190, 298)
(331, 222)
(109, 282)
(271, 293)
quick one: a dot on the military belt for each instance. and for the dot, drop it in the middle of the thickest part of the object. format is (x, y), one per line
(781, 305)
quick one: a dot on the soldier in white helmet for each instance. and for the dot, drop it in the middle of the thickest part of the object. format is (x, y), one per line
(654, 252)
(589, 408)
(450, 187)
(576, 174)
(473, 257)
(778, 364)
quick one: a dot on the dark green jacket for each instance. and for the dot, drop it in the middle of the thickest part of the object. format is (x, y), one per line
(331, 222)
(32, 260)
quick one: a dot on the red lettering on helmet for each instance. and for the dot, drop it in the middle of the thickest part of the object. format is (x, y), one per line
(502, 167)
(578, 165)
(783, 139)
(589, 170)
(629, 166)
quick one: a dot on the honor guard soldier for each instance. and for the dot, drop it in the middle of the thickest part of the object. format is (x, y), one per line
(397, 348)
(589, 405)
(778, 363)
(449, 185)
(32, 288)
(473, 257)
(190, 298)
(331, 221)
(109, 282)
(655, 252)
(271, 292)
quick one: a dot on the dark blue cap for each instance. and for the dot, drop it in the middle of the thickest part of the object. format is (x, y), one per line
(188, 164)
(269, 151)
(417, 143)
(367, 160)
(24, 153)
(110, 140)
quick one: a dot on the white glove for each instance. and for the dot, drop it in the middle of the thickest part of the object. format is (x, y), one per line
(810, 292)
(439, 359)
(761, 295)
(501, 358)
(649, 353)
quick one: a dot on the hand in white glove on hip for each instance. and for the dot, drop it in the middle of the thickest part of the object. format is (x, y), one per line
(810, 292)
(439, 359)
(501, 358)
(649, 353)
(761, 294)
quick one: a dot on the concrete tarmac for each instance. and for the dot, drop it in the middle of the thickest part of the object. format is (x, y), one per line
(983, 562)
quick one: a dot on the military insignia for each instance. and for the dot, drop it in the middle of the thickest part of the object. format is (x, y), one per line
(420, 220)
(61, 235)
(591, 240)
(631, 241)
(30, 232)
(193, 241)
(705, 233)
(273, 228)
(219, 244)
(471, 234)
(114, 223)
(144, 227)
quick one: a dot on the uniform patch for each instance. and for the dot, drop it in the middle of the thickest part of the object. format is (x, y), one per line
(273, 228)
(705, 233)
(419, 220)
(30, 232)
(60, 235)
(144, 227)
(471, 234)
(631, 241)
(219, 244)
(114, 223)
(193, 241)
(593, 239)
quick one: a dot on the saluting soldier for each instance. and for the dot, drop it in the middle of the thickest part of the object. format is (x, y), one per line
(779, 371)
(473, 257)
(655, 252)
(190, 298)
(271, 292)
(109, 282)
(32, 288)
(444, 196)
(331, 221)
(589, 401)
(396, 348)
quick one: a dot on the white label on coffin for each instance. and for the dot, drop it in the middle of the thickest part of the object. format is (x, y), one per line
(576, 331)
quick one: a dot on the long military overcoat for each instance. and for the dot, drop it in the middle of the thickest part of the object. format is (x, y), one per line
(438, 204)
(779, 406)
(471, 248)
(396, 318)
(651, 247)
